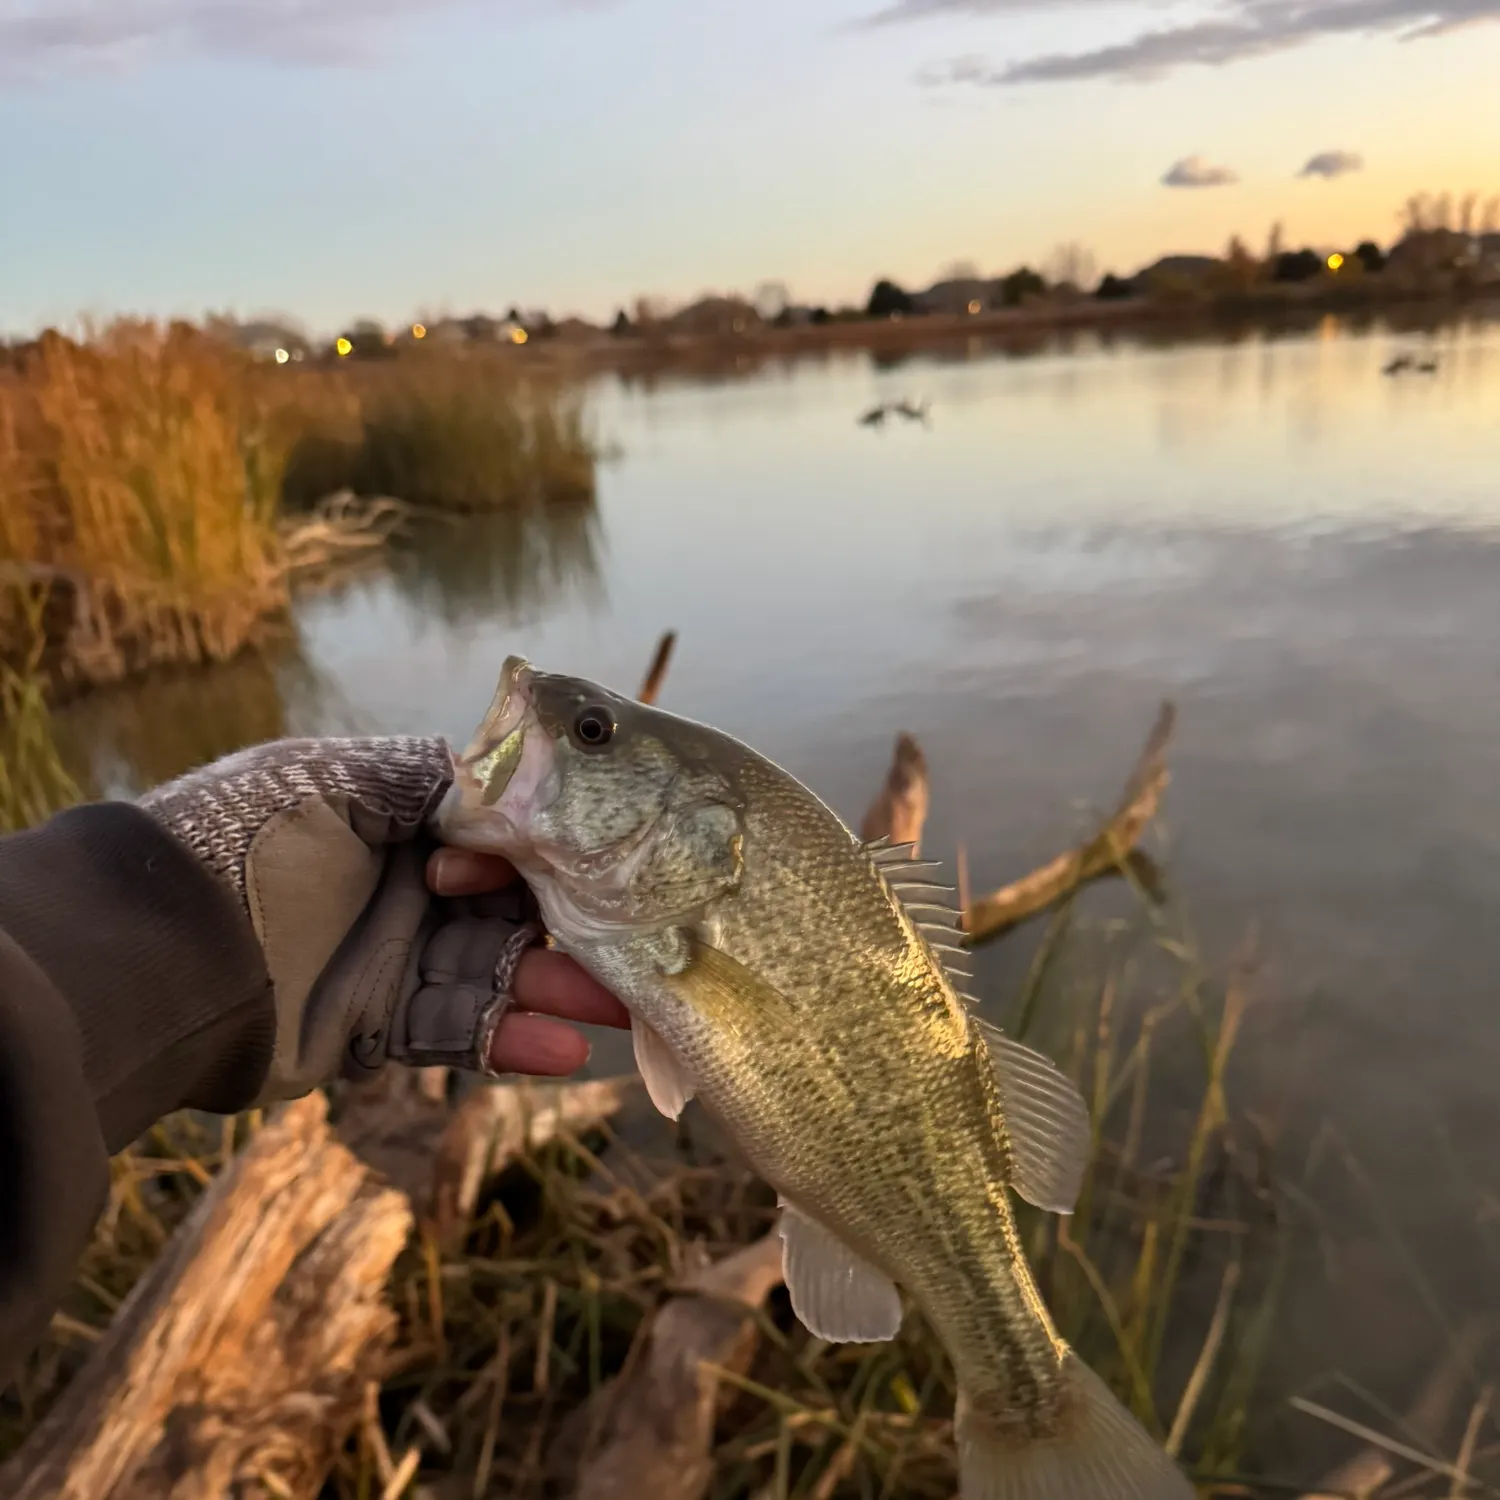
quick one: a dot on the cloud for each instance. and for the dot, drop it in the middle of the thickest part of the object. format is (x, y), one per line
(922, 10)
(41, 37)
(1239, 29)
(1332, 164)
(1194, 172)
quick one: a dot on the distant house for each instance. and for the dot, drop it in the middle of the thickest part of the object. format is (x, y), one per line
(958, 295)
(576, 331)
(264, 339)
(1176, 268)
(1426, 251)
(480, 328)
(715, 315)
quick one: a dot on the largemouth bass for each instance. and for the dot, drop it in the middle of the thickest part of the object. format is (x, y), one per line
(802, 986)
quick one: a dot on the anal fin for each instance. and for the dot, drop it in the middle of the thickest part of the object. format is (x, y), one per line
(837, 1295)
(666, 1081)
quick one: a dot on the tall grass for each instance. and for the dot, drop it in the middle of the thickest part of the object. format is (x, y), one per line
(141, 474)
(34, 782)
(146, 475)
(451, 436)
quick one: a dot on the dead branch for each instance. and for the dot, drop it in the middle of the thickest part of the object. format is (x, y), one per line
(899, 811)
(341, 531)
(1110, 851)
(652, 1427)
(238, 1363)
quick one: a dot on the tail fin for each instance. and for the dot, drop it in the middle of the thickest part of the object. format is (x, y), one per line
(1100, 1452)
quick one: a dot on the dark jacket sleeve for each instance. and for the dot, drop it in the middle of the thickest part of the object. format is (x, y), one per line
(131, 985)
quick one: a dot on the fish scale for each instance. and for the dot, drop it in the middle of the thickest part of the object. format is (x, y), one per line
(789, 978)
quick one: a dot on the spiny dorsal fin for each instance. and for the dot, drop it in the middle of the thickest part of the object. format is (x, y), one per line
(884, 852)
(933, 908)
(1046, 1120)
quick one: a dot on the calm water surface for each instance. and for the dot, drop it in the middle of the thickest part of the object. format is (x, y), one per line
(1302, 553)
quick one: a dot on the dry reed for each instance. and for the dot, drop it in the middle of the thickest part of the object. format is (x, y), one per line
(155, 485)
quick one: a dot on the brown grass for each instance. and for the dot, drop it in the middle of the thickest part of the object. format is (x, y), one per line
(145, 474)
(140, 478)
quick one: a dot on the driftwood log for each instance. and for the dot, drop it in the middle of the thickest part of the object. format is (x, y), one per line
(648, 1434)
(237, 1365)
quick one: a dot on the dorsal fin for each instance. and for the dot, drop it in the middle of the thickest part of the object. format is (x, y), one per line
(1046, 1120)
(932, 908)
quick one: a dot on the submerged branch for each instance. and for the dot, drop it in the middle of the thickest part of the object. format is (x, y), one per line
(899, 811)
(657, 671)
(1111, 851)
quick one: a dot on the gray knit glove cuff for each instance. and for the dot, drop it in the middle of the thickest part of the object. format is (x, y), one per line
(325, 841)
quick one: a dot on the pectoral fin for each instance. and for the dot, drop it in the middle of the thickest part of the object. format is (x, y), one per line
(722, 988)
(1046, 1121)
(665, 1078)
(836, 1294)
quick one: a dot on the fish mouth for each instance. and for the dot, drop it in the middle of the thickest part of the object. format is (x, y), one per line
(487, 766)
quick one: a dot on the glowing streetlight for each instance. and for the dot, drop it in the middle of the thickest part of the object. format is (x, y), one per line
(344, 347)
(974, 307)
(418, 331)
(282, 356)
(1335, 261)
(518, 335)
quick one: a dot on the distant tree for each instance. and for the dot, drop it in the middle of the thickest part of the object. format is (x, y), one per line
(771, 300)
(621, 324)
(820, 315)
(649, 310)
(887, 300)
(960, 270)
(1019, 285)
(1370, 255)
(1239, 270)
(1113, 289)
(369, 340)
(1297, 265)
(1274, 244)
(1071, 266)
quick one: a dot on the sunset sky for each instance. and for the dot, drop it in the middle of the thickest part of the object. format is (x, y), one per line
(336, 158)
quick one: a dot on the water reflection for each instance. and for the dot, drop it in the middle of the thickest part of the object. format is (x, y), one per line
(512, 566)
(119, 741)
(515, 564)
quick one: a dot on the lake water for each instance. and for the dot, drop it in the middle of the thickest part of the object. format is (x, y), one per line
(1301, 552)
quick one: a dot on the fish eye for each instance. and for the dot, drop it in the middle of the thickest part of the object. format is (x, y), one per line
(593, 728)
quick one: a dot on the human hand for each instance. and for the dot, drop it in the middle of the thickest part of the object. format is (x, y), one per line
(374, 955)
(553, 994)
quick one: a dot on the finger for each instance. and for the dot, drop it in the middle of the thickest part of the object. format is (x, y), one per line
(552, 983)
(525, 1043)
(463, 872)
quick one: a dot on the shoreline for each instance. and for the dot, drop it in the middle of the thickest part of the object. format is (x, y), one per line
(997, 329)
